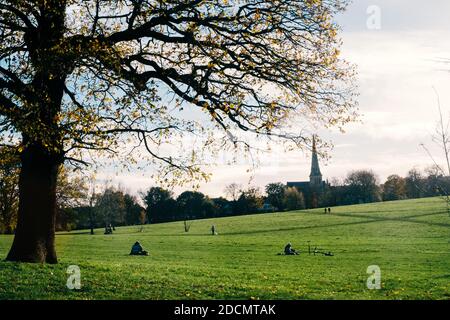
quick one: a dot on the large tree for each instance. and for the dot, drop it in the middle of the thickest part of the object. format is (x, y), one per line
(293, 199)
(110, 207)
(415, 184)
(78, 76)
(362, 187)
(135, 214)
(275, 195)
(249, 201)
(159, 204)
(192, 204)
(394, 188)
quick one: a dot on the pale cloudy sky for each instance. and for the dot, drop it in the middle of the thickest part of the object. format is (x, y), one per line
(398, 67)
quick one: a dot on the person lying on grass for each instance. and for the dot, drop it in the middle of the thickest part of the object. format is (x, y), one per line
(137, 250)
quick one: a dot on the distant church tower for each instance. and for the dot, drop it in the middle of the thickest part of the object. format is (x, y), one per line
(314, 188)
(315, 177)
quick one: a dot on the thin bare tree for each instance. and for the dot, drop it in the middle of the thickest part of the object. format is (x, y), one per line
(441, 136)
(442, 139)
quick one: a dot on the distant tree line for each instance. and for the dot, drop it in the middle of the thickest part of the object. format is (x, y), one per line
(113, 206)
(362, 186)
(79, 208)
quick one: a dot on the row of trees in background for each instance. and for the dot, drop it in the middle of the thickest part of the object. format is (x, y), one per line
(82, 208)
(113, 206)
(162, 206)
(362, 186)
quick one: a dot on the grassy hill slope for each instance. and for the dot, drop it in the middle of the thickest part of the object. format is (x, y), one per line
(408, 240)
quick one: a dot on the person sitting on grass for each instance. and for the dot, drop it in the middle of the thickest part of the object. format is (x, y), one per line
(137, 250)
(289, 251)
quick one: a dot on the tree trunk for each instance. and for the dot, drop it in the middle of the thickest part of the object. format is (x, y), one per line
(35, 234)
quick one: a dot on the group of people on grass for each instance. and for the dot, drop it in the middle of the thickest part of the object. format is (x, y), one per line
(138, 250)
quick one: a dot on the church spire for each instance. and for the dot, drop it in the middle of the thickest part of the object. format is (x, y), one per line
(315, 178)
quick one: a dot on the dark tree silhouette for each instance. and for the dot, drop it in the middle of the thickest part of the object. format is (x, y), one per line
(362, 187)
(394, 188)
(83, 77)
(275, 195)
(159, 204)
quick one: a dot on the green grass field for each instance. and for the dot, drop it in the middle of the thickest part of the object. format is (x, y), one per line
(408, 240)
